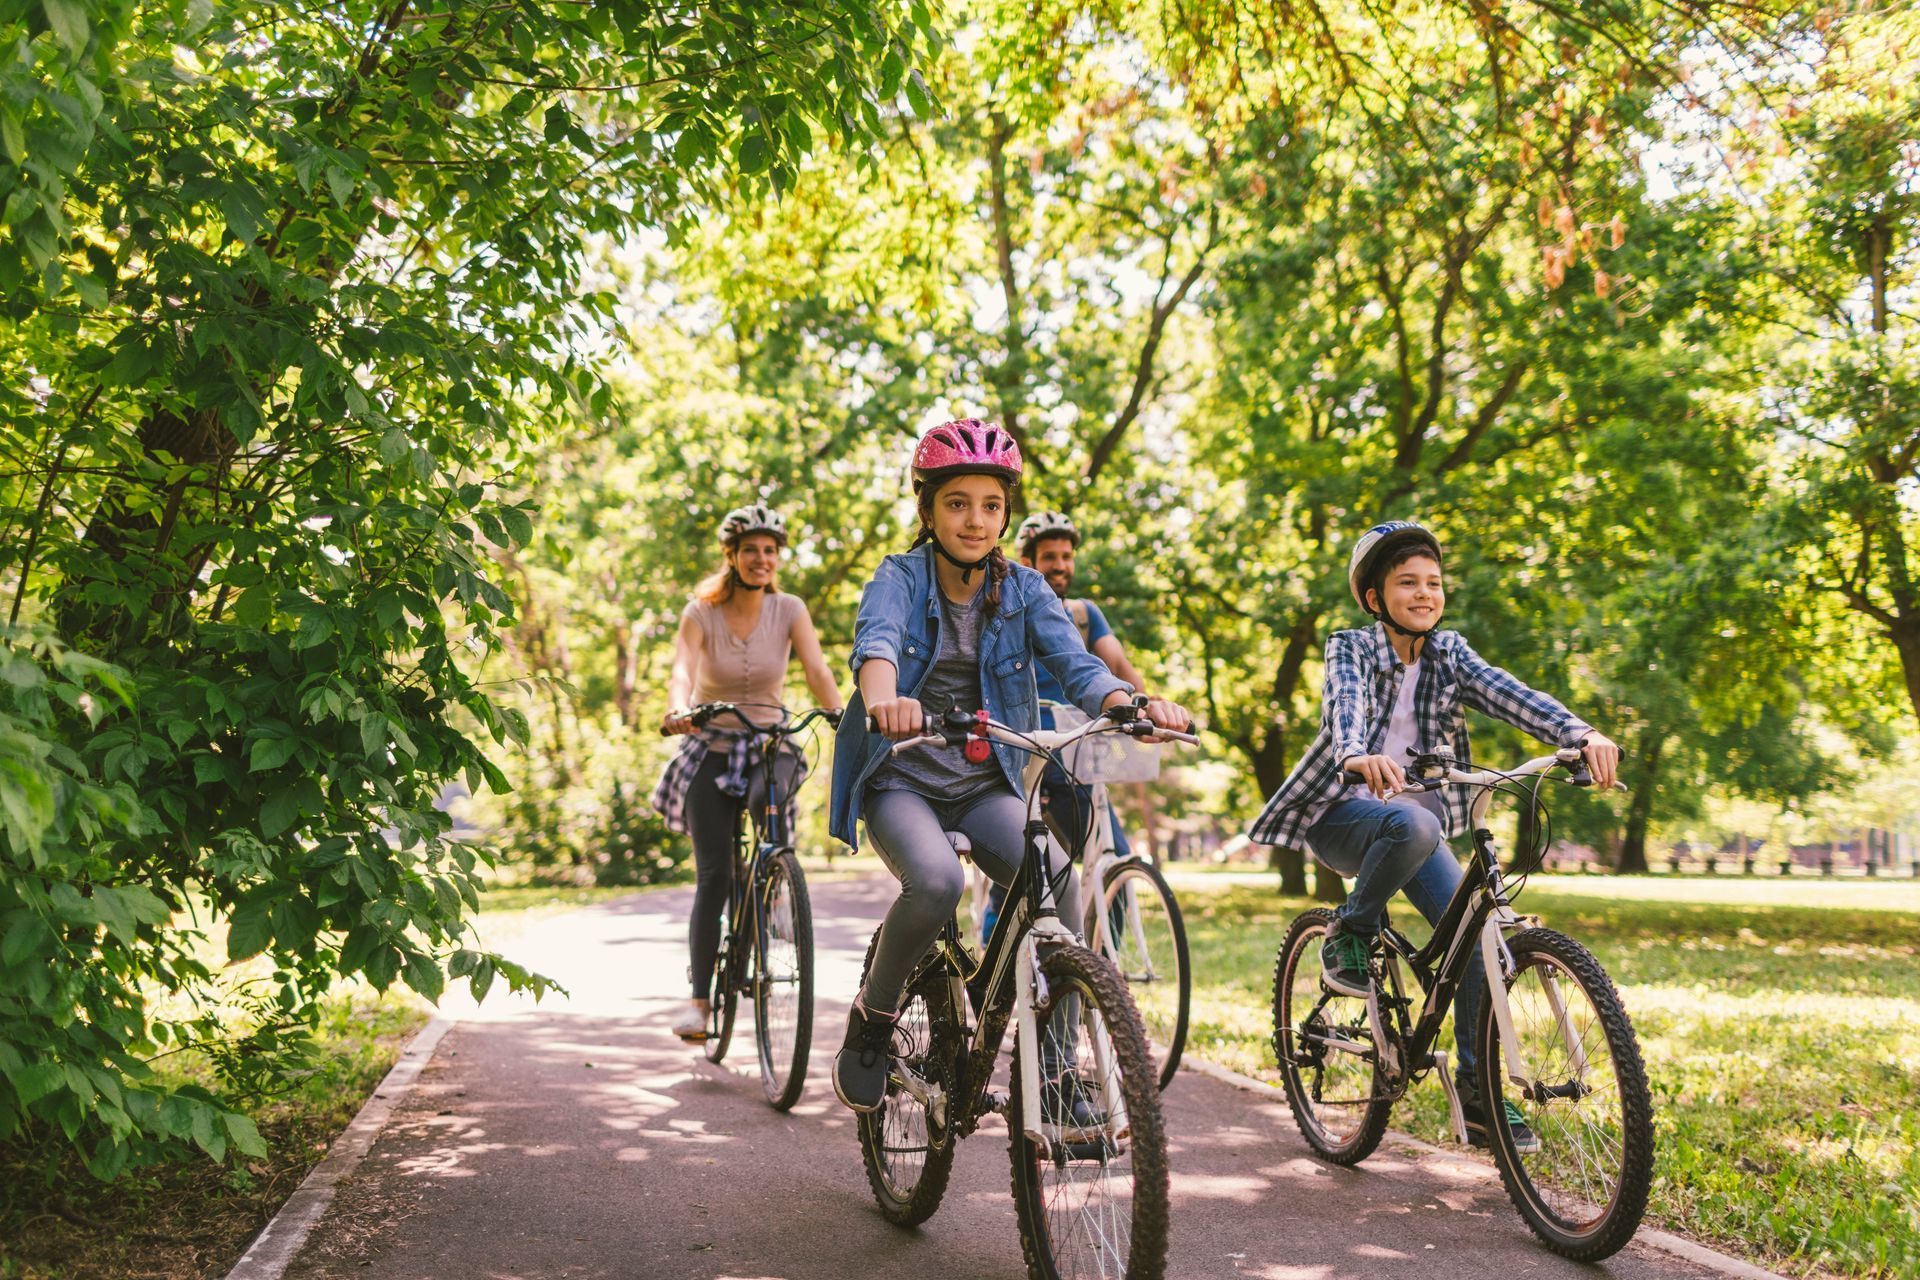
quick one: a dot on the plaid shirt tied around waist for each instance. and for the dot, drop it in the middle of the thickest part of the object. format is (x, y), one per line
(1363, 676)
(743, 752)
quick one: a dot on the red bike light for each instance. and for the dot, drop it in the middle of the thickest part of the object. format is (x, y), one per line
(978, 749)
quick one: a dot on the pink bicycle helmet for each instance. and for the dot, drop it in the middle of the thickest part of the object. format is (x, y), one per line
(965, 446)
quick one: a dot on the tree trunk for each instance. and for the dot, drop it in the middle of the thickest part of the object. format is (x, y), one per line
(625, 672)
(1632, 855)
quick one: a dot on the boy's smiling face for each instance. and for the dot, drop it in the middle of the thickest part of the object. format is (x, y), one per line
(1413, 591)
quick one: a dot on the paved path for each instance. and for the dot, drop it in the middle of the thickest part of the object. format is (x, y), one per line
(579, 1139)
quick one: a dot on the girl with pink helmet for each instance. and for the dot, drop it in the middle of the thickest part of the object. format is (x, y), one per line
(950, 622)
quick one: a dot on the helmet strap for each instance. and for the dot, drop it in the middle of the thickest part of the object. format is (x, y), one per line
(966, 567)
(741, 583)
(1387, 619)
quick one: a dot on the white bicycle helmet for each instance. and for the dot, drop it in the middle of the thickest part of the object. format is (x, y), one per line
(1044, 524)
(1374, 544)
(758, 518)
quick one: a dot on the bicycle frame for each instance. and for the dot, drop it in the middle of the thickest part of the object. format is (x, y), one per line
(1477, 917)
(769, 834)
(1006, 981)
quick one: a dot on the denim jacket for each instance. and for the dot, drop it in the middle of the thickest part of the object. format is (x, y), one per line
(899, 621)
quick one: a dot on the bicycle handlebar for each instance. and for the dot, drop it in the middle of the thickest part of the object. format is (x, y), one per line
(1436, 770)
(704, 714)
(954, 726)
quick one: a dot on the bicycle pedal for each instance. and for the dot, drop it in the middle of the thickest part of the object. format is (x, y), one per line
(996, 1102)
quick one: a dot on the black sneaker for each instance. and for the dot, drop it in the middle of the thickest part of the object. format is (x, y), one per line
(1343, 964)
(1525, 1140)
(1070, 1104)
(860, 1068)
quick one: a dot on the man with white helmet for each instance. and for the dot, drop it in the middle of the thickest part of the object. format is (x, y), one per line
(1048, 542)
(1393, 689)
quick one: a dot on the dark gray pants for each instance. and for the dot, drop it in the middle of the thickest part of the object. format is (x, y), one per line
(712, 818)
(908, 831)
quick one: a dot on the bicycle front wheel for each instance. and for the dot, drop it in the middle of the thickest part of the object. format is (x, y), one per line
(1135, 923)
(1584, 1190)
(1323, 1042)
(1091, 1192)
(783, 985)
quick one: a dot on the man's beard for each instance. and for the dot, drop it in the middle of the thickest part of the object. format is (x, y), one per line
(1060, 580)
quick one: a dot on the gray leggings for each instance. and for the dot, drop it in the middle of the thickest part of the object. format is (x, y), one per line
(908, 831)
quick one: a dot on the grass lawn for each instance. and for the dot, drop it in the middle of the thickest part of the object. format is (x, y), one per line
(194, 1218)
(1781, 1028)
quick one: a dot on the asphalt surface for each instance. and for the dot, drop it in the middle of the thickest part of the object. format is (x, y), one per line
(578, 1138)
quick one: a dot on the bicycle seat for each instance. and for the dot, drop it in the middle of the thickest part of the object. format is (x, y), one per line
(959, 842)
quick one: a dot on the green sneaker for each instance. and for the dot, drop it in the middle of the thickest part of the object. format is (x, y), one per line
(1343, 964)
(1525, 1140)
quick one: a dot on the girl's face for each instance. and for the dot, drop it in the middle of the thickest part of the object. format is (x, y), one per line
(1413, 592)
(755, 558)
(969, 515)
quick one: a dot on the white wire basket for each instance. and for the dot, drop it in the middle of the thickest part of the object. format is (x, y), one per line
(1105, 757)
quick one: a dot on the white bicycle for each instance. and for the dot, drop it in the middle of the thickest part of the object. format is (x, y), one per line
(1133, 919)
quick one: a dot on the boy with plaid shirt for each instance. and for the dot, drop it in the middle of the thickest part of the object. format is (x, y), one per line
(1394, 689)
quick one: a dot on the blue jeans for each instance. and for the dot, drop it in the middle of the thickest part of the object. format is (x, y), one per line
(1388, 848)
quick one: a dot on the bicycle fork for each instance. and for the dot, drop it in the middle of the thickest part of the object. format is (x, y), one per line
(1029, 993)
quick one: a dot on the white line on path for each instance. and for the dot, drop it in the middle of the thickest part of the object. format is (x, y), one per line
(275, 1248)
(1665, 1241)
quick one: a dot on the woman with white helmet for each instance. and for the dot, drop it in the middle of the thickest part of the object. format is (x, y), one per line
(736, 637)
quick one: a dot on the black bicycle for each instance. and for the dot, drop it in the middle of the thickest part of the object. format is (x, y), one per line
(766, 939)
(1555, 1047)
(1088, 1148)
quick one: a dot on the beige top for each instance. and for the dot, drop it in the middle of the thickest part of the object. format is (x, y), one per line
(749, 670)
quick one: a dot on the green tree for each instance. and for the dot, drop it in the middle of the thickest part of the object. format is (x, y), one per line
(288, 295)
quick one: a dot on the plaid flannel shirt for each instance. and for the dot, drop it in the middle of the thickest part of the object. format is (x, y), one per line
(1363, 676)
(676, 780)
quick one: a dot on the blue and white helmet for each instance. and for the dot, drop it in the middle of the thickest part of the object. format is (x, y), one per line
(1376, 543)
(758, 518)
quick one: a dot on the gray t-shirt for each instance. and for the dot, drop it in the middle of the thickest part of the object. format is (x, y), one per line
(954, 680)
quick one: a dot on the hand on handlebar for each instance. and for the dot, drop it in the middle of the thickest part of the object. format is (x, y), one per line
(1382, 774)
(677, 721)
(1603, 758)
(897, 718)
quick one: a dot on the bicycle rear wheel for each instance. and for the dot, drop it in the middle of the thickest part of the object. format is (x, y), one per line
(1585, 1190)
(1324, 1045)
(1092, 1198)
(907, 1143)
(1141, 934)
(783, 983)
(724, 997)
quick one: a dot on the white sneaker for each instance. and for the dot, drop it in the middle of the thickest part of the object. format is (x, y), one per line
(692, 1026)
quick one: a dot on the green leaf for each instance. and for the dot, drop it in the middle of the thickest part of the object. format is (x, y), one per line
(919, 97)
(251, 927)
(424, 975)
(755, 155)
(246, 1138)
(124, 908)
(68, 18)
(13, 136)
(286, 807)
(519, 525)
(271, 753)
(557, 124)
(27, 937)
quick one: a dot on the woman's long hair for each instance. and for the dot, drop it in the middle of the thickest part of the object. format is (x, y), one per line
(718, 587)
(997, 564)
